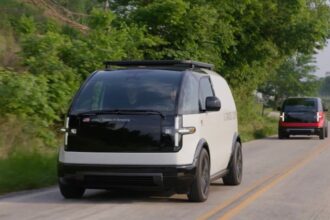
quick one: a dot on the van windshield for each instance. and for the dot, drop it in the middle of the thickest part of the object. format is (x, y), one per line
(142, 89)
(300, 105)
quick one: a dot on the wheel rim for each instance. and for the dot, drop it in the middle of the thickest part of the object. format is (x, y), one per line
(205, 178)
(239, 163)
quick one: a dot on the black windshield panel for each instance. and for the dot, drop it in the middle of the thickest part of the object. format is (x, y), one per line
(300, 105)
(143, 91)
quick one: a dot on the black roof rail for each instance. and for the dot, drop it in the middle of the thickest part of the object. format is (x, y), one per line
(185, 64)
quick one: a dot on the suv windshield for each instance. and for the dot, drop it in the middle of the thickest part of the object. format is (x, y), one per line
(300, 105)
(129, 90)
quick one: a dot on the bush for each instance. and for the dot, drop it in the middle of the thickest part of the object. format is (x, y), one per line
(24, 170)
(252, 125)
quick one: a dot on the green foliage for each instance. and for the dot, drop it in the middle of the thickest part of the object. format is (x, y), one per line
(24, 171)
(247, 40)
(293, 78)
(26, 109)
(23, 94)
(26, 25)
(252, 125)
(105, 41)
(100, 19)
(25, 134)
(325, 87)
(42, 56)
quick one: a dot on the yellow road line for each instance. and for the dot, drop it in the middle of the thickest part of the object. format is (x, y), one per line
(276, 178)
(231, 213)
(234, 198)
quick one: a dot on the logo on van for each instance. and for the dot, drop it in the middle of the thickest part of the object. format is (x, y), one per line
(123, 120)
(229, 116)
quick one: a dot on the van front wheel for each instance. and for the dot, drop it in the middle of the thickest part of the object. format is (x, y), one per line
(71, 191)
(200, 187)
(235, 167)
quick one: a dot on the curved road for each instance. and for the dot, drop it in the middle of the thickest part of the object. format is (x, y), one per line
(283, 179)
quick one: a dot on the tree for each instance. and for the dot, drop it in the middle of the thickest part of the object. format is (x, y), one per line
(294, 77)
(246, 40)
(325, 87)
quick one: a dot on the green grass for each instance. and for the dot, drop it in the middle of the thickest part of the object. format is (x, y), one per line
(252, 125)
(259, 128)
(22, 171)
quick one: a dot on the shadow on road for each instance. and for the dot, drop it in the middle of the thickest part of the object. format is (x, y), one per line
(118, 196)
(293, 138)
(53, 196)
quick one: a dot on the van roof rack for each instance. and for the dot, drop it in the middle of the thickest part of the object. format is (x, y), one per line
(185, 64)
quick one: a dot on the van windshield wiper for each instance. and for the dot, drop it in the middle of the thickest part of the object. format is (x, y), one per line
(122, 111)
(143, 111)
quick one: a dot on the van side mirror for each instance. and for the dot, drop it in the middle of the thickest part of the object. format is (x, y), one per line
(212, 104)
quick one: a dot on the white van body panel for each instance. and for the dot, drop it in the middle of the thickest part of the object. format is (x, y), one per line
(218, 129)
(225, 121)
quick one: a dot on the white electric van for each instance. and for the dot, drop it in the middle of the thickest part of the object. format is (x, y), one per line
(151, 125)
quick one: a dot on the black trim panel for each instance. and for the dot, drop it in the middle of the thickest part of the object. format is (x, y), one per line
(300, 130)
(159, 178)
(199, 147)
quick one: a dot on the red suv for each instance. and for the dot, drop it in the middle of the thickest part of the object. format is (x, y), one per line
(303, 116)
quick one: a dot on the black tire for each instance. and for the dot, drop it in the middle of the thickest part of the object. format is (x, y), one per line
(322, 133)
(282, 134)
(326, 131)
(199, 189)
(235, 167)
(70, 191)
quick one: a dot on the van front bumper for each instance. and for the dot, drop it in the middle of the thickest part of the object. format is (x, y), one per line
(151, 178)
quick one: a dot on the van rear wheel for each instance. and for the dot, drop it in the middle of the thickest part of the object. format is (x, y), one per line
(200, 187)
(235, 167)
(70, 191)
(326, 131)
(322, 133)
(282, 134)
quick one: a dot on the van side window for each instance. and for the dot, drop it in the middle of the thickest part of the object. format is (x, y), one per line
(205, 90)
(190, 96)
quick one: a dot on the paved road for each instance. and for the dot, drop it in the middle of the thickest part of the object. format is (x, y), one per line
(283, 179)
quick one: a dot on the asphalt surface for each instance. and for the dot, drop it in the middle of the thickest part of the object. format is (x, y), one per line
(283, 179)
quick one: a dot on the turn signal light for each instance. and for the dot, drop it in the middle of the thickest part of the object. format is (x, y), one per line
(187, 130)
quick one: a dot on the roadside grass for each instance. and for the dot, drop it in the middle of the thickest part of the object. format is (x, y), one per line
(26, 162)
(27, 170)
(257, 129)
(252, 124)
